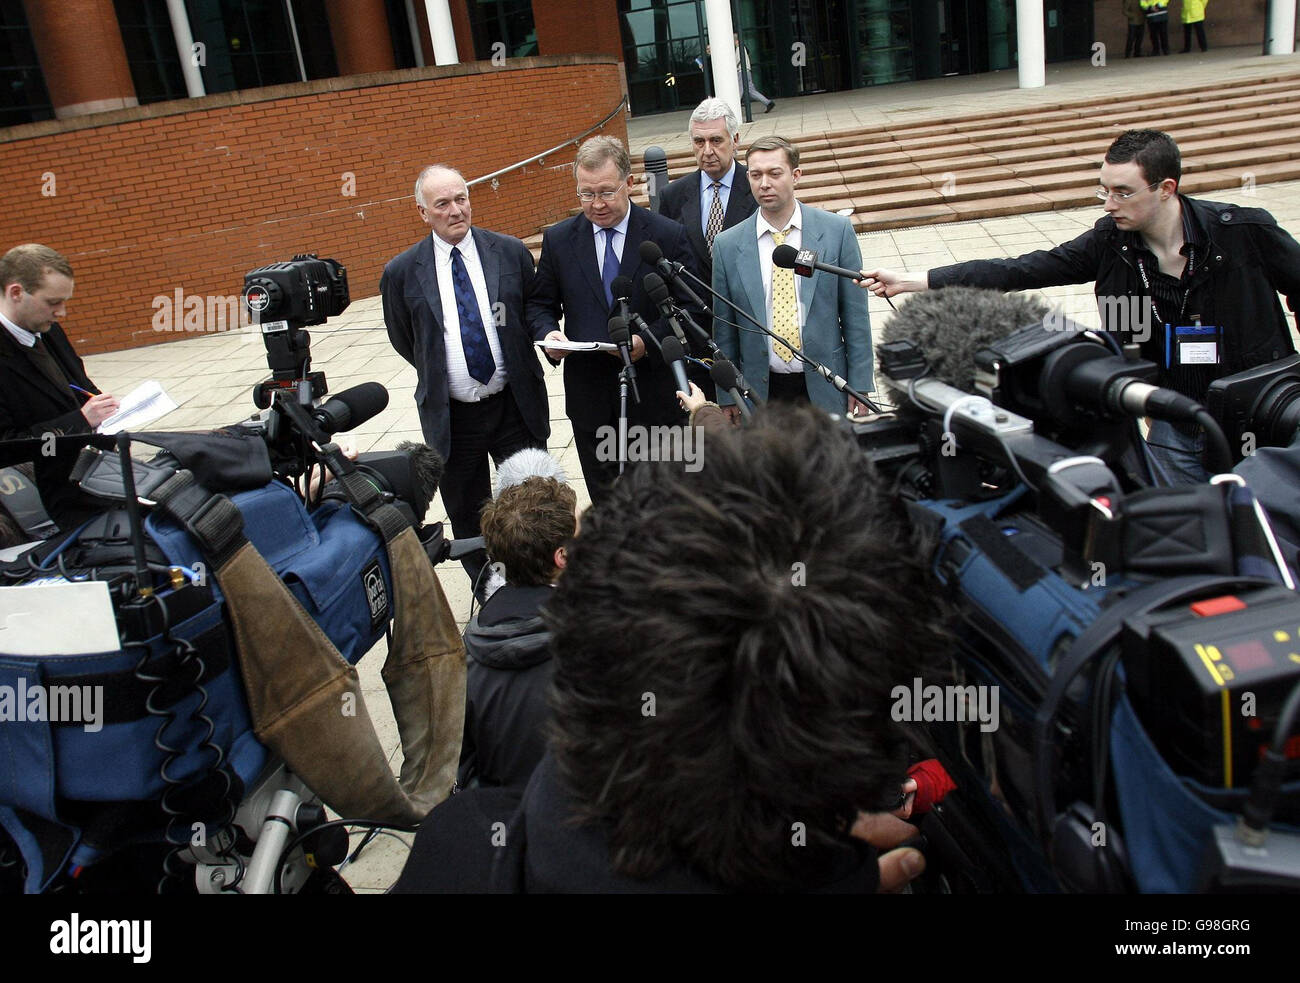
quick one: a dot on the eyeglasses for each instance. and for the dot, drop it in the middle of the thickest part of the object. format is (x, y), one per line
(587, 197)
(1103, 194)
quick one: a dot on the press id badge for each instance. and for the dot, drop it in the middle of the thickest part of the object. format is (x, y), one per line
(1192, 344)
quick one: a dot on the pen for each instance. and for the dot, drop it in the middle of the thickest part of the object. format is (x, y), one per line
(80, 390)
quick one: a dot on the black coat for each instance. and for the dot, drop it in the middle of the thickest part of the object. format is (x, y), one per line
(568, 285)
(680, 202)
(1250, 260)
(413, 315)
(490, 840)
(505, 688)
(33, 404)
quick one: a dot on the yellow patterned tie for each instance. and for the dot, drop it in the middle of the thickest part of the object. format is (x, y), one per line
(785, 308)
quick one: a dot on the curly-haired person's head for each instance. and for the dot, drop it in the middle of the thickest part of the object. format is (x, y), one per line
(526, 525)
(726, 643)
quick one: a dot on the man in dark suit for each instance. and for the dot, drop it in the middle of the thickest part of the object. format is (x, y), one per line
(581, 257)
(44, 388)
(713, 197)
(819, 315)
(454, 308)
(716, 196)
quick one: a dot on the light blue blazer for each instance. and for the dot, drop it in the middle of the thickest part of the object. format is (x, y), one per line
(836, 328)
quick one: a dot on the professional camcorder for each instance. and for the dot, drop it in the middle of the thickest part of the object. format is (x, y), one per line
(241, 599)
(1142, 639)
(1259, 407)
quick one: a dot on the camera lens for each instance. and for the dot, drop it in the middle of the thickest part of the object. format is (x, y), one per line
(1278, 411)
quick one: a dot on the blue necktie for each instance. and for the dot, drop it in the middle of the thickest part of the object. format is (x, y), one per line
(473, 339)
(610, 268)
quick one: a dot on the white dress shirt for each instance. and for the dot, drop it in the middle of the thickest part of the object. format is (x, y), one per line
(766, 246)
(21, 335)
(460, 384)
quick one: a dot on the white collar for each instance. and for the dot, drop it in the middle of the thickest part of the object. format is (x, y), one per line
(796, 221)
(21, 335)
(621, 228)
(443, 247)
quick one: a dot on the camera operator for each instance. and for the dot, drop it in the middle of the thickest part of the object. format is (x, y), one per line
(726, 642)
(44, 389)
(1209, 273)
(528, 529)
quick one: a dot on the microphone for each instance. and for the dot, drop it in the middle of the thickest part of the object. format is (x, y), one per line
(530, 462)
(952, 324)
(726, 377)
(652, 255)
(804, 261)
(658, 291)
(351, 408)
(619, 334)
(673, 355)
(621, 288)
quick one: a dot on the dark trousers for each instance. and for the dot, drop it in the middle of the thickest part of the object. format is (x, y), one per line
(492, 426)
(1200, 36)
(1159, 30)
(1133, 43)
(787, 388)
(598, 471)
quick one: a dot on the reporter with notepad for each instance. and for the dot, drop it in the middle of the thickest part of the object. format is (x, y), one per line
(44, 388)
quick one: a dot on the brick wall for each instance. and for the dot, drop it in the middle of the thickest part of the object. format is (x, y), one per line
(567, 28)
(193, 194)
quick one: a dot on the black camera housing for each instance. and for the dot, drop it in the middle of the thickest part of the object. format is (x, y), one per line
(1263, 401)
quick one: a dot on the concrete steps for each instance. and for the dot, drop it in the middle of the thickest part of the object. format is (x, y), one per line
(985, 165)
(992, 164)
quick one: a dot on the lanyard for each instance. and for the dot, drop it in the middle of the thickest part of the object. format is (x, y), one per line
(1146, 285)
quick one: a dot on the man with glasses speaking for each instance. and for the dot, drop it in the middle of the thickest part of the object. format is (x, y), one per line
(581, 259)
(1193, 283)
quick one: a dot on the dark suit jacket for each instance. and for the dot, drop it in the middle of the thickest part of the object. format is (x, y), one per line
(680, 202)
(33, 404)
(413, 315)
(568, 285)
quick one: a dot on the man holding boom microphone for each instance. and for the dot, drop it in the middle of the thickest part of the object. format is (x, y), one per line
(1193, 283)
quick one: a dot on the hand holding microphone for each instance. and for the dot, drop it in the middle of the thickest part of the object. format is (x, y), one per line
(891, 283)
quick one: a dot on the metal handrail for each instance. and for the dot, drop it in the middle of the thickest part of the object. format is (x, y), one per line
(541, 158)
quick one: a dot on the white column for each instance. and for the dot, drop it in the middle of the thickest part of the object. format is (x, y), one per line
(413, 23)
(1031, 44)
(185, 48)
(1281, 27)
(726, 84)
(441, 32)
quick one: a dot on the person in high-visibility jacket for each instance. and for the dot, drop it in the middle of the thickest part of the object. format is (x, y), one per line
(1194, 17)
(1157, 12)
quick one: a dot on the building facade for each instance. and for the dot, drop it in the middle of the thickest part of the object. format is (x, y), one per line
(61, 58)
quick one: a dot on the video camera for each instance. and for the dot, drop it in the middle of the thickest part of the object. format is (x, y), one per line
(1259, 407)
(283, 298)
(208, 627)
(1123, 624)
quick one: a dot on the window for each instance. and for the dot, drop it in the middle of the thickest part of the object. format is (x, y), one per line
(150, 50)
(23, 98)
